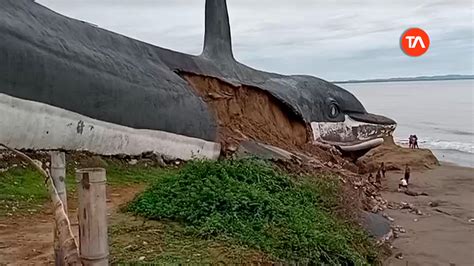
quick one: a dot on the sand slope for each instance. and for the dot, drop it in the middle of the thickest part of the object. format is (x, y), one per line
(395, 157)
(443, 235)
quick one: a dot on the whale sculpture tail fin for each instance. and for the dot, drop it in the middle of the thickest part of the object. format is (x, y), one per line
(217, 38)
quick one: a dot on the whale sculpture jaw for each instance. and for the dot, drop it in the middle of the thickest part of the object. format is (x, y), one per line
(78, 68)
(352, 135)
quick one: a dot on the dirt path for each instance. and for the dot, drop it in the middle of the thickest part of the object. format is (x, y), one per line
(443, 235)
(28, 240)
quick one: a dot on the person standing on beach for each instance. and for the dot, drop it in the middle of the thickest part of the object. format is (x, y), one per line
(383, 169)
(415, 142)
(378, 178)
(407, 173)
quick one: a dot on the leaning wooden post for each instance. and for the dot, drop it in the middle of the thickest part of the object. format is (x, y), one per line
(92, 212)
(66, 238)
(58, 174)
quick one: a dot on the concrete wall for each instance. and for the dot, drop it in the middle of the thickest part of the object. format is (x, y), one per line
(33, 125)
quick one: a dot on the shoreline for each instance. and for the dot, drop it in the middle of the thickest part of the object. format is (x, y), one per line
(446, 155)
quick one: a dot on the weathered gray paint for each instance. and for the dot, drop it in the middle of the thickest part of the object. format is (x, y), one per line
(49, 58)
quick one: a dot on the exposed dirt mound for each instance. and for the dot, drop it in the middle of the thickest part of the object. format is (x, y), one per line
(245, 112)
(396, 157)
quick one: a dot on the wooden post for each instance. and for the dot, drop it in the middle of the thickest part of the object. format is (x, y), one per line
(66, 238)
(92, 212)
(58, 174)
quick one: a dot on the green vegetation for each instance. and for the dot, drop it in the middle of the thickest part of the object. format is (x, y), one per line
(228, 211)
(120, 174)
(22, 188)
(249, 203)
(166, 242)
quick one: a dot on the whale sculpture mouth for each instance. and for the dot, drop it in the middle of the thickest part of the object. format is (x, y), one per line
(358, 131)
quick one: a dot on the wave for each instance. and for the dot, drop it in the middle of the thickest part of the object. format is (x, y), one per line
(442, 145)
(455, 131)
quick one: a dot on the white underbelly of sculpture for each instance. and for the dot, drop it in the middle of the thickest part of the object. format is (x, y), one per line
(34, 125)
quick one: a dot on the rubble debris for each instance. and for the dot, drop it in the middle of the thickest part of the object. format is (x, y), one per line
(386, 238)
(408, 206)
(388, 217)
(123, 156)
(399, 256)
(393, 206)
(160, 162)
(399, 229)
(268, 152)
(148, 155)
(232, 148)
(405, 205)
(168, 159)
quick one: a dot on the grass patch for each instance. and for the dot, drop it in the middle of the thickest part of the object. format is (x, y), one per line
(22, 188)
(252, 204)
(119, 174)
(165, 242)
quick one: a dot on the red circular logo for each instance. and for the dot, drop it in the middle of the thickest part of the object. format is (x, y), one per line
(415, 42)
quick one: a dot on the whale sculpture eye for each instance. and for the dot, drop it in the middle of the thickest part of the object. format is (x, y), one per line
(333, 110)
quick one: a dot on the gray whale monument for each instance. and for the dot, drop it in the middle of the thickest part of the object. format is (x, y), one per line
(67, 84)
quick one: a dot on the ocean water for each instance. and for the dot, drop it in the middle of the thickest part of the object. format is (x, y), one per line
(440, 113)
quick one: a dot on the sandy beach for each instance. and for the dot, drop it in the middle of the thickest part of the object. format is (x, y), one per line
(443, 234)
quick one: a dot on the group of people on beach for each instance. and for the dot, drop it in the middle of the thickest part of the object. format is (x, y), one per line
(413, 142)
(378, 176)
(404, 181)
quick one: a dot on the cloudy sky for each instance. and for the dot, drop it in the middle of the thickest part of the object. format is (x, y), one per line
(335, 40)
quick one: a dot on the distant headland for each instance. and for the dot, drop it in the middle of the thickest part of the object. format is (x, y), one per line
(421, 78)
